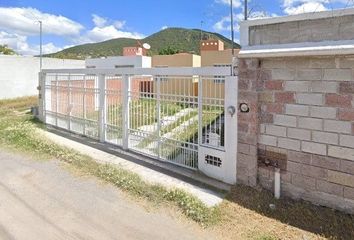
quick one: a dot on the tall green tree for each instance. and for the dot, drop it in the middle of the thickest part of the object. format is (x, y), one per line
(168, 51)
(5, 50)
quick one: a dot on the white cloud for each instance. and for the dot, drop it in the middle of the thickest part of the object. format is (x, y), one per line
(49, 48)
(164, 27)
(18, 24)
(20, 45)
(302, 6)
(224, 24)
(106, 29)
(292, 3)
(98, 34)
(260, 14)
(119, 24)
(305, 8)
(101, 22)
(236, 3)
(23, 21)
(14, 41)
(98, 21)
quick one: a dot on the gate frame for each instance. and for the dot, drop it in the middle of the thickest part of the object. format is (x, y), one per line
(227, 171)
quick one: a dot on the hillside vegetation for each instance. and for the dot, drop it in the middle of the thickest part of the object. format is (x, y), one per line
(5, 50)
(183, 40)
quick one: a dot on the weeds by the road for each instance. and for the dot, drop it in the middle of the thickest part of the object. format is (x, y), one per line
(19, 131)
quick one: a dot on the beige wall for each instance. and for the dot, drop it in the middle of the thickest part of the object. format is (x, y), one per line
(188, 86)
(210, 58)
(176, 60)
(179, 86)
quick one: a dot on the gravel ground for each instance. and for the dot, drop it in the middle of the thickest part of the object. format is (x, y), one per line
(41, 200)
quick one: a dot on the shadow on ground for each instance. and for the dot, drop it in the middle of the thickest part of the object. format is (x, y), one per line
(303, 215)
(319, 220)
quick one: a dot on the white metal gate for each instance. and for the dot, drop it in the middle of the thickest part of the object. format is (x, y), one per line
(171, 114)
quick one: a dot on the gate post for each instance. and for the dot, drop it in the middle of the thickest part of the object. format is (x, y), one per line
(126, 87)
(41, 96)
(231, 92)
(102, 108)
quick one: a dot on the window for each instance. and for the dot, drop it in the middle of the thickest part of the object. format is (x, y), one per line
(212, 160)
(162, 77)
(220, 79)
(124, 66)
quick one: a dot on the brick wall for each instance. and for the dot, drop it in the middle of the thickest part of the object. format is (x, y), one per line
(306, 126)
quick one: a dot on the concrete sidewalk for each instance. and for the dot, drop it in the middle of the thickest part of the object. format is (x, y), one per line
(148, 174)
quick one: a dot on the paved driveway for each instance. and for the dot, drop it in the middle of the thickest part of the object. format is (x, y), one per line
(41, 200)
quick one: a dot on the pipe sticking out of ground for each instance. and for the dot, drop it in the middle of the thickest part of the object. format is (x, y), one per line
(277, 183)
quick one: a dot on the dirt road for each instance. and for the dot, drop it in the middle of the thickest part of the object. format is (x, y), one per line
(42, 200)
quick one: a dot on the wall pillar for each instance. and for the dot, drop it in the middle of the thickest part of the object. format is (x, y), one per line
(248, 122)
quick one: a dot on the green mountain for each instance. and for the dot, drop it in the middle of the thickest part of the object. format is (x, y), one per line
(184, 40)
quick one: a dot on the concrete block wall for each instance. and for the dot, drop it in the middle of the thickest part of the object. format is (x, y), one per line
(306, 127)
(314, 30)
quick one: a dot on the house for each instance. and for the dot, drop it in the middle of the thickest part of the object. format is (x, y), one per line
(177, 86)
(213, 54)
(133, 58)
(176, 60)
(129, 61)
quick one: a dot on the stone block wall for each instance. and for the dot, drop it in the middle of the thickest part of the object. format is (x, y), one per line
(248, 123)
(306, 126)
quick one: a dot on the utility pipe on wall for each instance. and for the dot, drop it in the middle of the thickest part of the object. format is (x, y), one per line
(277, 183)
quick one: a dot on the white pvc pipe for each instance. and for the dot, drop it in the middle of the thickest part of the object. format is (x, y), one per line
(277, 183)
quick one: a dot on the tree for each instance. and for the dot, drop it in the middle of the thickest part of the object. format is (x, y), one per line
(5, 50)
(168, 51)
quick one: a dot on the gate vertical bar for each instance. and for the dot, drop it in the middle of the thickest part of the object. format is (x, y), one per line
(102, 107)
(126, 88)
(158, 117)
(56, 99)
(200, 110)
(84, 104)
(69, 102)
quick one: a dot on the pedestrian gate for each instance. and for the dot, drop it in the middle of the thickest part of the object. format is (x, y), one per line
(184, 116)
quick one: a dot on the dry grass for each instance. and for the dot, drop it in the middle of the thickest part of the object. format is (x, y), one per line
(19, 104)
(246, 215)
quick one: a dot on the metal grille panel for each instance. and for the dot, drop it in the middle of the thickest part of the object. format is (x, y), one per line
(164, 116)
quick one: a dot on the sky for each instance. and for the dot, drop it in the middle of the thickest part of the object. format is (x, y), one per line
(72, 22)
